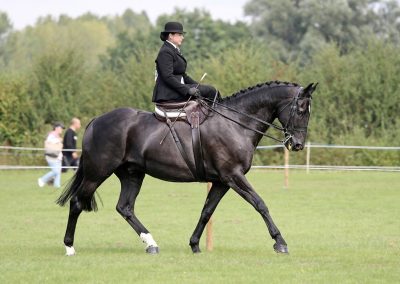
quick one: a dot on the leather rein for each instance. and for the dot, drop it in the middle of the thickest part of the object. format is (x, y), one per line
(286, 130)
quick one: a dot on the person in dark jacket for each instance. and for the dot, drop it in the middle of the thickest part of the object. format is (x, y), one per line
(71, 158)
(172, 82)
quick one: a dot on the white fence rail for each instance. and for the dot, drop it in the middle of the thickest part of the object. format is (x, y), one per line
(308, 166)
(331, 168)
(28, 150)
(309, 145)
(34, 149)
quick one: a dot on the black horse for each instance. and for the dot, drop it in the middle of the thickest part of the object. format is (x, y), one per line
(126, 142)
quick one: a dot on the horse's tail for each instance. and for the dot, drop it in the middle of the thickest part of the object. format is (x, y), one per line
(73, 186)
(77, 187)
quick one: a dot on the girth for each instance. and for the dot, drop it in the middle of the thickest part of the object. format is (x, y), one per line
(193, 114)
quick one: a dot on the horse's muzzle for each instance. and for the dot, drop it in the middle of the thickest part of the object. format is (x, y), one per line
(293, 146)
(293, 143)
(298, 147)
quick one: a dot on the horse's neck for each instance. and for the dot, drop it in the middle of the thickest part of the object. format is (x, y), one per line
(263, 104)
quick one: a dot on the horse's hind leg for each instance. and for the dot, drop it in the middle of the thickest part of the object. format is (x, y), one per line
(131, 183)
(77, 205)
(216, 193)
(75, 209)
(240, 184)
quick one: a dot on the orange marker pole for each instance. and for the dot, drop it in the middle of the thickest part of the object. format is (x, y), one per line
(209, 227)
(286, 182)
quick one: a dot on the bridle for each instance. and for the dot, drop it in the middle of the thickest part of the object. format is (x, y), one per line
(287, 129)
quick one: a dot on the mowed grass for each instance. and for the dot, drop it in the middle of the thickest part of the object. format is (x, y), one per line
(340, 227)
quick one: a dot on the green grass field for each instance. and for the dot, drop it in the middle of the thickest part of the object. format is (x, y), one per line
(340, 228)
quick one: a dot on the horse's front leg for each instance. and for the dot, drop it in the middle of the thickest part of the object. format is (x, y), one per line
(240, 184)
(216, 193)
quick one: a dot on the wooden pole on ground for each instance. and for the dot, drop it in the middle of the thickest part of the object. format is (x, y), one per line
(308, 157)
(209, 227)
(286, 182)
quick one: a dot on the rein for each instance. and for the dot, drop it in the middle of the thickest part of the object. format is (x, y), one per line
(285, 129)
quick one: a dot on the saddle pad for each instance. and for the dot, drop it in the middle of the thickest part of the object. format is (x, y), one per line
(170, 114)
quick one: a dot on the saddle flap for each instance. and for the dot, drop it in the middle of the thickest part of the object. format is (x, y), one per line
(194, 113)
(194, 119)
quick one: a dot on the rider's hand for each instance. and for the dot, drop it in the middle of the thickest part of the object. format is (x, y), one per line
(194, 92)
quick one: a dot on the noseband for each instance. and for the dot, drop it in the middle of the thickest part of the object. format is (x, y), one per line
(287, 130)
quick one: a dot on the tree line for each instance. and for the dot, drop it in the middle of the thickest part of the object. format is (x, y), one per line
(64, 67)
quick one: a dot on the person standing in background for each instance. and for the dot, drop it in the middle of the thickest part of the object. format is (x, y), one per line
(70, 157)
(53, 152)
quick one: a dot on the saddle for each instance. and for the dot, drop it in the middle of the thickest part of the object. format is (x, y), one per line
(183, 111)
(193, 113)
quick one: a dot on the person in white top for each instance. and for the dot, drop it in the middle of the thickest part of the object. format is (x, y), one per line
(53, 152)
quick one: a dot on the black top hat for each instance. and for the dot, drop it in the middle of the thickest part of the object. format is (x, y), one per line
(171, 27)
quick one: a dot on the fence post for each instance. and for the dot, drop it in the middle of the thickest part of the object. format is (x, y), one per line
(286, 182)
(308, 156)
(209, 227)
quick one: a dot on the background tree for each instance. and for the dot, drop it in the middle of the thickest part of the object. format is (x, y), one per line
(387, 24)
(301, 27)
(129, 22)
(19, 120)
(90, 36)
(5, 24)
(205, 37)
(5, 27)
(56, 88)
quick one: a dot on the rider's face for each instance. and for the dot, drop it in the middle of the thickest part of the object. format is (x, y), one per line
(176, 38)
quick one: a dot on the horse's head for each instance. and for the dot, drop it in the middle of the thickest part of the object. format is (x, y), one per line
(294, 117)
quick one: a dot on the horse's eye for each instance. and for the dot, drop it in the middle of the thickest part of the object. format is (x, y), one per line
(302, 107)
(301, 110)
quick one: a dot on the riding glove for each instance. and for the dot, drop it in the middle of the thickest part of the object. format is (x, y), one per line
(194, 92)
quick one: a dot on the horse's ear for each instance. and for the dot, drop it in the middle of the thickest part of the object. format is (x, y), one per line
(314, 87)
(309, 89)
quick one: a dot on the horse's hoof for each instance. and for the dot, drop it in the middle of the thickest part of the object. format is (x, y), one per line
(152, 250)
(279, 248)
(69, 251)
(195, 249)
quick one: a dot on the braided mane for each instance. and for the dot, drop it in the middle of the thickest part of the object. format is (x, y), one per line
(269, 84)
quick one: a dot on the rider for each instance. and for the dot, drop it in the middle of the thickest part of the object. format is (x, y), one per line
(172, 82)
